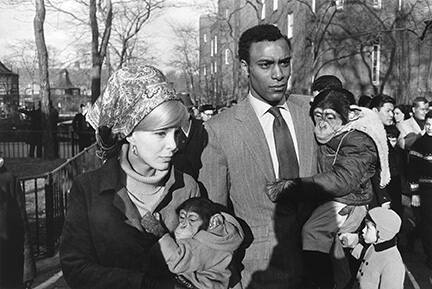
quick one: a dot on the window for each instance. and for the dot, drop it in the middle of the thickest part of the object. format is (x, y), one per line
(211, 48)
(290, 25)
(376, 54)
(376, 4)
(313, 6)
(275, 5)
(339, 4)
(227, 56)
(205, 38)
(204, 70)
(263, 9)
(215, 67)
(399, 5)
(215, 45)
(211, 68)
(226, 13)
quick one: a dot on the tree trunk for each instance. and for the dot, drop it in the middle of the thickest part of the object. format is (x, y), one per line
(47, 137)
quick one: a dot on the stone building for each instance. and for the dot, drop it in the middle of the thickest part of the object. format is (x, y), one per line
(9, 91)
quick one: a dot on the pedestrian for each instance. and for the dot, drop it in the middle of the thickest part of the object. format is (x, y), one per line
(401, 113)
(381, 262)
(34, 138)
(103, 244)
(413, 128)
(420, 179)
(82, 129)
(265, 136)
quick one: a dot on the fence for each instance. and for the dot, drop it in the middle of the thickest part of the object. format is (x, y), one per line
(46, 198)
(16, 143)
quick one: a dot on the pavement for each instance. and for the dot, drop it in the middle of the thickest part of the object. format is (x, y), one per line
(417, 275)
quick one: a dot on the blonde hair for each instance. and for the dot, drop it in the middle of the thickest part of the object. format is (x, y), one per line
(168, 114)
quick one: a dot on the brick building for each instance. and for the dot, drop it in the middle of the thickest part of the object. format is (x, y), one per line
(9, 90)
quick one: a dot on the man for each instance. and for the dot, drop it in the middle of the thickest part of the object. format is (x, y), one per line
(249, 147)
(82, 129)
(35, 130)
(413, 128)
(383, 105)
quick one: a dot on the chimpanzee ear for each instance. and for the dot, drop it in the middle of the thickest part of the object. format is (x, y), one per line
(216, 220)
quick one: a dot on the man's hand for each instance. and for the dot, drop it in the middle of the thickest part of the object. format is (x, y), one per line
(349, 240)
(152, 224)
(280, 187)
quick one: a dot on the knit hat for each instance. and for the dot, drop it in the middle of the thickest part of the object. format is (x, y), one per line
(130, 95)
(387, 222)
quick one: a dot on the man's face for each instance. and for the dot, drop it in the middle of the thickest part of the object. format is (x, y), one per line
(385, 113)
(428, 126)
(420, 110)
(269, 70)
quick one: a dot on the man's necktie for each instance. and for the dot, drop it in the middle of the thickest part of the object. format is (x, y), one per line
(288, 164)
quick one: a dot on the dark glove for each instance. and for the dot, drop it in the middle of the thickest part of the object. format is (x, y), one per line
(152, 224)
(283, 187)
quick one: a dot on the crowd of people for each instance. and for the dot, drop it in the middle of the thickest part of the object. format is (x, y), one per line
(277, 191)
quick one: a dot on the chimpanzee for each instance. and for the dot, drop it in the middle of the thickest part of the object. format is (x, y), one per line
(352, 144)
(205, 240)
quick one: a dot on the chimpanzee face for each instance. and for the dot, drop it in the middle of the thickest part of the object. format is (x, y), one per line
(327, 122)
(189, 224)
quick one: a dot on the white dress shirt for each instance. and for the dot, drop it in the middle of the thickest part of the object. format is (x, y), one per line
(266, 120)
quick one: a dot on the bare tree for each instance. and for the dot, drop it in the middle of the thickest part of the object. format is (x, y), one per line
(38, 23)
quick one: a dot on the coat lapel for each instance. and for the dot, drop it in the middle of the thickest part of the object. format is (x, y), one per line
(122, 202)
(252, 134)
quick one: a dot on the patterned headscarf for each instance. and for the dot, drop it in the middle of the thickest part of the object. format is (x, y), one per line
(131, 94)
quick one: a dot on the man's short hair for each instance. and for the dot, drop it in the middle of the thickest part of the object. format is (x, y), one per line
(258, 33)
(419, 99)
(428, 114)
(379, 100)
(326, 82)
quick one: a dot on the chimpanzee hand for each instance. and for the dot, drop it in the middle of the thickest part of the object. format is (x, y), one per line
(280, 187)
(152, 224)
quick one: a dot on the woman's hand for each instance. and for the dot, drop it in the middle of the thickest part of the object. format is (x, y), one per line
(153, 225)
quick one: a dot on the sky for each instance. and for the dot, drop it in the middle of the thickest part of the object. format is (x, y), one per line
(16, 24)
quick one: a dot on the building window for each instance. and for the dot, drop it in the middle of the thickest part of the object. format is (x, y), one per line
(376, 4)
(339, 4)
(376, 54)
(290, 25)
(313, 6)
(205, 38)
(211, 48)
(215, 45)
(226, 13)
(211, 68)
(204, 70)
(263, 9)
(215, 67)
(275, 5)
(227, 56)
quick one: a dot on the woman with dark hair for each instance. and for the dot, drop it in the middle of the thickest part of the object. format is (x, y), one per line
(103, 243)
(401, 112)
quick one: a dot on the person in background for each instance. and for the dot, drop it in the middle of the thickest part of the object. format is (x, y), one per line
(206, 111)
(413, 128)
(82, 129)
(401, 112)
(34, 138)
(267, 135)
(420, 179)
(324, 82)
(192, 139)
(103, 244)
(364, 100)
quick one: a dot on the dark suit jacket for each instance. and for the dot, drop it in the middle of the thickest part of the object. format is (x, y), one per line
(236, 167)
(103, 244)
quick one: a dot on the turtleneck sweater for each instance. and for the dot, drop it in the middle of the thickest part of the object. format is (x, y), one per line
(145, 192)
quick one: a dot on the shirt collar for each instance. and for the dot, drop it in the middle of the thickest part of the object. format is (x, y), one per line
(261, 107)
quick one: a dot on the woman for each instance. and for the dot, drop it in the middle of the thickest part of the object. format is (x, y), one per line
(401, 113)
(103, 244)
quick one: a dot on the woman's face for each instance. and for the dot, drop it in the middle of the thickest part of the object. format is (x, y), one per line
(398, 115)
(369, 232)
(155, 148)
